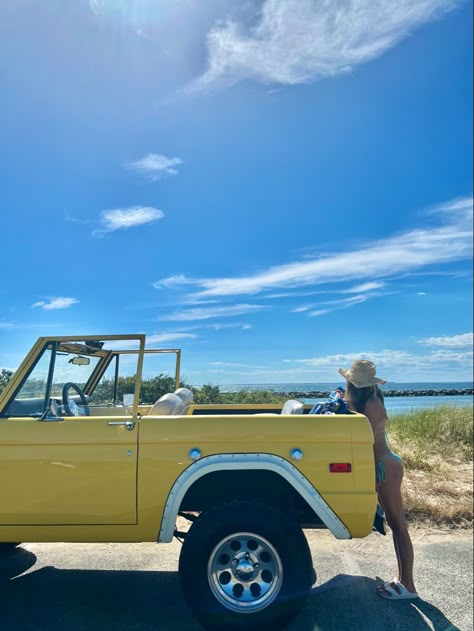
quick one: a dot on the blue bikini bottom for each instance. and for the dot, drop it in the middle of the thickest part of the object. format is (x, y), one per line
(380, 467)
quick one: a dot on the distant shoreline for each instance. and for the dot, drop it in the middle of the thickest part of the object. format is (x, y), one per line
(317, 394)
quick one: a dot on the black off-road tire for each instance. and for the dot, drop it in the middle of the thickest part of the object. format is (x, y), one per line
(207, 567)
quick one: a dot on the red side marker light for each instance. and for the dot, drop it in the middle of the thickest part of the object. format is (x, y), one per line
(340, 467)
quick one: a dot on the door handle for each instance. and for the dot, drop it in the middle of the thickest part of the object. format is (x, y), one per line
(128, 424)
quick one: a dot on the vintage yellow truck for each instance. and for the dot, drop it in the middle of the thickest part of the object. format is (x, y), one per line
(249, 478)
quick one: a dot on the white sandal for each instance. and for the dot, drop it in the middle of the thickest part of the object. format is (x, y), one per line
(396, 591)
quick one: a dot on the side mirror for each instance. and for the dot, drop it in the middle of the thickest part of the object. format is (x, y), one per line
(80, 361)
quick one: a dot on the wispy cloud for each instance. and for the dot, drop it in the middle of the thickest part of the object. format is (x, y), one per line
(216, 326)
(70, 219)
(172, 282)
(50, 304)
(391, 361)
(205, 313)
(219, 326)
(360, 289)
(6, 325)
(333, 305)
(155, 166)
(337, 305)
(409, 251)
(233, 365)
(159, 338)
(123, 218)
(454, 341)
(351, 290)
(299, 41)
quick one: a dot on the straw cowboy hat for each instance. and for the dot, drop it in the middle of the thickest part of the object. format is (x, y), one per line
(361, 374)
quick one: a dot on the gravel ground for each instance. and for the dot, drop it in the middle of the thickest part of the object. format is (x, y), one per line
(56, 586)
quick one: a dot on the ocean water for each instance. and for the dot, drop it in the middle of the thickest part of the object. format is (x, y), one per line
(306, 387)
(394, 405)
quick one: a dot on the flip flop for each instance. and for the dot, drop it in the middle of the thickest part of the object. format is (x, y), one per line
(384, 585)
(396, 591)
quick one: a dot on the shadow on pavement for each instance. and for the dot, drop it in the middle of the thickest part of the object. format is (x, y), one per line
(49, 599)
(351, 602)
(13, 562)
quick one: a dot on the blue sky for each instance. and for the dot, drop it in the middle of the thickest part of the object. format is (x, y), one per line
(276, 186)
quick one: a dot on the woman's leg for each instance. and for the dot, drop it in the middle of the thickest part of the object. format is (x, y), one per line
(390, 497)
(394, 540)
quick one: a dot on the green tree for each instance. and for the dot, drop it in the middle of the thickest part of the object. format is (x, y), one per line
(5, 376)
(207, 393)
(151, 389)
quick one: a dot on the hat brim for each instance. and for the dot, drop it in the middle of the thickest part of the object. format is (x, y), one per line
(370, 382)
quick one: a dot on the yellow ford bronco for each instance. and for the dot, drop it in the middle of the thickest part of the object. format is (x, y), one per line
(78, 464)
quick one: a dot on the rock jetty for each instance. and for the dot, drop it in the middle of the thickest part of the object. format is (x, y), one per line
(319, 394)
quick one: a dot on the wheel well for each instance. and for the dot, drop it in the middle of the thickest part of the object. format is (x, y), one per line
(266, 486)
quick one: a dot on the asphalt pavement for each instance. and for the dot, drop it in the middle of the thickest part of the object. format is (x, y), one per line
(135, 587)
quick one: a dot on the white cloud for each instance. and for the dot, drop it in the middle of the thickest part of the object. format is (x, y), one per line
(392, 362)
(360, 289)
(299, 41)
(302, 309)
(218, 326)
(454, 341)
(215, 326)
(174, 281)
(320, 312)
(155, 166)
(409, 251)
(96, 6)
(205, 313)
(159, 338)
(232, 365)
(6, 325)
(122, 218)
(336, 305)
(55, 303)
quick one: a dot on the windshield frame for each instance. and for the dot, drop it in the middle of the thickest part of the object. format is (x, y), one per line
(29, 363)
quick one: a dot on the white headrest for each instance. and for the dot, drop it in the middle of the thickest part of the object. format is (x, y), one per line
(185, 394)
(167, 405)
(293, 407)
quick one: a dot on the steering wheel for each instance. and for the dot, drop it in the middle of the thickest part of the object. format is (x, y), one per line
(70, 406)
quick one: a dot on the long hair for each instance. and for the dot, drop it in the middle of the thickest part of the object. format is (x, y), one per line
(359, 396)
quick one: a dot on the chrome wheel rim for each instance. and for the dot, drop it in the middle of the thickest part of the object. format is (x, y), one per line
(245, 572)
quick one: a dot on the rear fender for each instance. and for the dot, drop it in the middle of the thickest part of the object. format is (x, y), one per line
(227, 462)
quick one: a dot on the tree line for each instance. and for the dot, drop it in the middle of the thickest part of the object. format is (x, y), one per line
(153, 388)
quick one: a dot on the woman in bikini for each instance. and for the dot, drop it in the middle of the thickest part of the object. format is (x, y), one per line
(364, 395)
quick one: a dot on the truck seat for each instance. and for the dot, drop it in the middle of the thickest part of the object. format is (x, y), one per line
(293, 407)
(186, 395)
(167, 405)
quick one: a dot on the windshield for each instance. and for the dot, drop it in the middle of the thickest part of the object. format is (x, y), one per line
(69, 366)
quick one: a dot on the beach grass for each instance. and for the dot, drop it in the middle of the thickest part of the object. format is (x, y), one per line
(436, 447)
(444, 430)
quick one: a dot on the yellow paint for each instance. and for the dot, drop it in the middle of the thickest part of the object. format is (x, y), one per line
(81, 479)
(165, 443)
(75, 471)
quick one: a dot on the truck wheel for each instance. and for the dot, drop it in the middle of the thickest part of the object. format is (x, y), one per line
(245, 565)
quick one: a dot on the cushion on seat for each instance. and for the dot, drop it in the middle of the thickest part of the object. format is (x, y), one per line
(185, 394)
(293, 407)
(167, 405)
